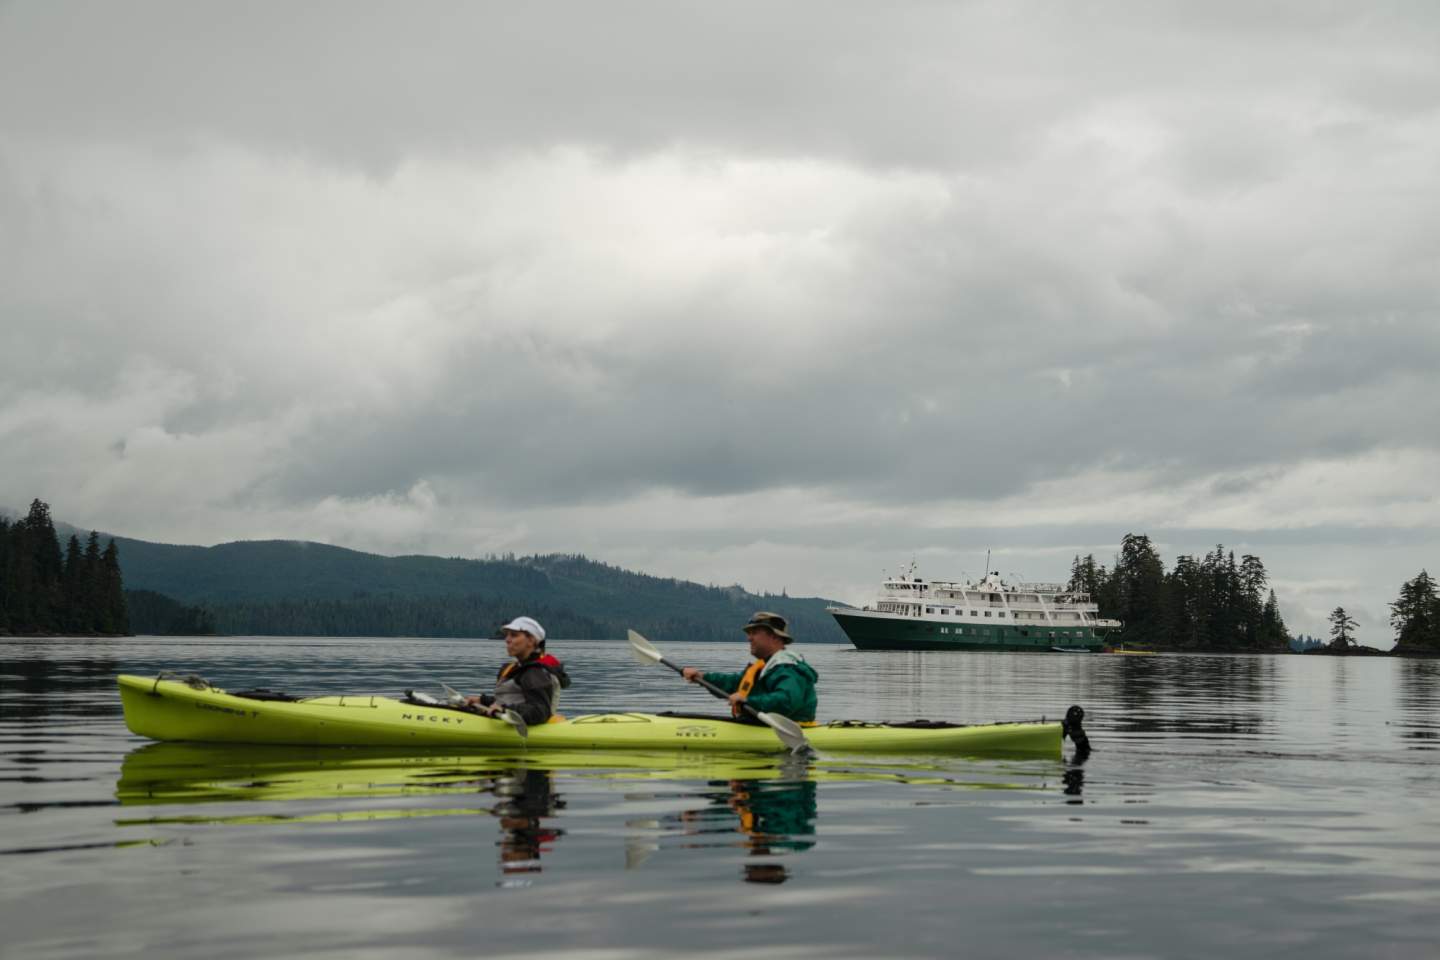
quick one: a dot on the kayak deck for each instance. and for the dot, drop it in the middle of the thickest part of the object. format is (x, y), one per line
(195, 711)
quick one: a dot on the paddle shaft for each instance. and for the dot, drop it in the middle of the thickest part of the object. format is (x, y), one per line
(749, 710)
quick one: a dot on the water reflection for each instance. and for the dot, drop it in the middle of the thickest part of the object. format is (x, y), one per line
(1074, 781)
(174, 773)
(1419, 703)
(1206, 696)
(765, 806)
(763, 817)
(1273, 814)
(38, 686)
(528, 803)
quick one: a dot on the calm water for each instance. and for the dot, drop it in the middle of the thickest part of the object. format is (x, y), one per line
(1254, 806)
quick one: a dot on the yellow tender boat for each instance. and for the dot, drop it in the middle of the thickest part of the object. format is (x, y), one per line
(193, 710)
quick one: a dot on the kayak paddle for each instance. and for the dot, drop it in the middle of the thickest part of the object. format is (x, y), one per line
(786, 729)
(457, 699)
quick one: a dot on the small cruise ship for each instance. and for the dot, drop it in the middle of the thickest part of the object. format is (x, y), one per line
(912, 613)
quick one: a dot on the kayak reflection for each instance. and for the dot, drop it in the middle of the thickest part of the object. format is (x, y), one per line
(764, 804)
(163, 773)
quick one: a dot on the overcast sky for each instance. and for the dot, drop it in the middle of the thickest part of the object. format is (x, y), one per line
(777, 294)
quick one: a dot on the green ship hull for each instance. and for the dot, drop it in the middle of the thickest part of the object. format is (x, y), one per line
(894, 633)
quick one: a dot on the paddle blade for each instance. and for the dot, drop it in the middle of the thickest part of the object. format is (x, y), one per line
(789, 732)
(638, 851)
(516, 721)
(642, 649)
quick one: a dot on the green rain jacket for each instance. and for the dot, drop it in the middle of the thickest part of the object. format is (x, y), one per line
(786, 686)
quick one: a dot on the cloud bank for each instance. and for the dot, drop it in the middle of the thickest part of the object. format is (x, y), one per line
(775, 297)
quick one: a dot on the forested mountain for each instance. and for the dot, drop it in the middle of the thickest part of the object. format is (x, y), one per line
(290, 587)
(1209, 603)
(155, 614)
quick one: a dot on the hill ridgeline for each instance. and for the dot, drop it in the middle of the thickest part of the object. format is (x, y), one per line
(285, 587)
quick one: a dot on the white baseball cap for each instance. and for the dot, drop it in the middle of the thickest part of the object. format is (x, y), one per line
(527, 625)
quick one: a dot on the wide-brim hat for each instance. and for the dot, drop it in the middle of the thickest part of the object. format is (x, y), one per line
(765, 620)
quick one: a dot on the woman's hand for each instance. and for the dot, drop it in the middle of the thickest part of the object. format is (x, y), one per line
(691, 674)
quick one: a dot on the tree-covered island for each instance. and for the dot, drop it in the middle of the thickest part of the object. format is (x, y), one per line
(1211, 603)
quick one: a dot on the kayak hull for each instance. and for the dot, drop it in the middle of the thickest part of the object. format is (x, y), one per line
(179, 711)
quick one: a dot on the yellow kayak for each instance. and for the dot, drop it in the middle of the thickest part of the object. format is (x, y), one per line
(194, 710)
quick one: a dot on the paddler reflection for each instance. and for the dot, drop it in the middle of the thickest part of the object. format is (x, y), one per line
(527, 799)
(771, 817)
(525, 803)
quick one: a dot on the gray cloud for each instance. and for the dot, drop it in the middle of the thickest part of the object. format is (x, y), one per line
(477, 276)
(915, 84)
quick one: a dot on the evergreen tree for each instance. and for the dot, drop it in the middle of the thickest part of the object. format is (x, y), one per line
(1342, 628)
(1415, 615)
(1183, 607)
(1251, 585)
(1139, 584)
(74, 585)
(47, 568)
(7, 588)
(115, 618)
(1273, 634)
(92, 591)
(1089, 578)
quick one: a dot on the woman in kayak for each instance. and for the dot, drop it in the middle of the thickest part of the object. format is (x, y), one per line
(779, 681)
(531, 683)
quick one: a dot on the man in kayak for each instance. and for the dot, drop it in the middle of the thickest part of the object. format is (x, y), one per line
(779, 681)
(531, 683)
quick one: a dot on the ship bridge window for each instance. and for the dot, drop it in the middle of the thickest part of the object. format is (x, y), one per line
(987, 613)
(974, 613)
(1000, 614)
(929, 609)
